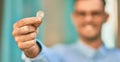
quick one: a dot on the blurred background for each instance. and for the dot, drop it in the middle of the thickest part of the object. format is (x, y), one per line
(56, 27)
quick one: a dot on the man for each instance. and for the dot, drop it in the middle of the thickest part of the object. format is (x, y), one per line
(88, 17)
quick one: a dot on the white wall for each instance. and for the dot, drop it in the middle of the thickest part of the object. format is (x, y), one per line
(110, 28)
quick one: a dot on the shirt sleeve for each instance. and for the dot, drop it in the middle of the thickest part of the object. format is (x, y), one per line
(41, 56)
(53, 54)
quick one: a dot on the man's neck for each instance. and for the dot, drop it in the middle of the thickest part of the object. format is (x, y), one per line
(95, 44)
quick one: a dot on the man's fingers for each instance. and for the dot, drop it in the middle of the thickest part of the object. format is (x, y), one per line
(28, 21)
(27, 44)
(37, 31)
(27, 37)
(24, 30)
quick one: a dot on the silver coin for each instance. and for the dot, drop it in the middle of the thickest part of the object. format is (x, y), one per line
(40, 14)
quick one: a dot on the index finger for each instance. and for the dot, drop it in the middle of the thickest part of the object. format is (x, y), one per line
(28, 21)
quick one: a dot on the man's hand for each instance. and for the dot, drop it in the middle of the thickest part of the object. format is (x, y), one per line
(25, 32)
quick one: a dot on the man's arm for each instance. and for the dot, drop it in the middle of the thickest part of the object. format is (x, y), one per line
(32, 51)
(25, 32)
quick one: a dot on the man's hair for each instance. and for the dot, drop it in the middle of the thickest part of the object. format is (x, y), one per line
(104, 2)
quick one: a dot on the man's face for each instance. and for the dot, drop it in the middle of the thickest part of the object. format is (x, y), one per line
(88, 17)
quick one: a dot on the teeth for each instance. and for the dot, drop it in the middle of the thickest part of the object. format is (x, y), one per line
(40, 14)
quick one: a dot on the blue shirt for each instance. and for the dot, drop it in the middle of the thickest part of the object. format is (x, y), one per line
(78, 52)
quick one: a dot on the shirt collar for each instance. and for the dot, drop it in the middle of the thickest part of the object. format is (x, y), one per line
(89, 52)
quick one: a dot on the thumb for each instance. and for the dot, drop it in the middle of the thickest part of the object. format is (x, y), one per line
(39, 15)
(37, 24)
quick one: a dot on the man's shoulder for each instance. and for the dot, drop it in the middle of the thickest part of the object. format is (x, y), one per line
(114, 52)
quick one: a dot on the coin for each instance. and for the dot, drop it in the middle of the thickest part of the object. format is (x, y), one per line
(40, 14)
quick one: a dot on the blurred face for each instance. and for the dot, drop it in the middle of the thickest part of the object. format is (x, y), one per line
(88, 17)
